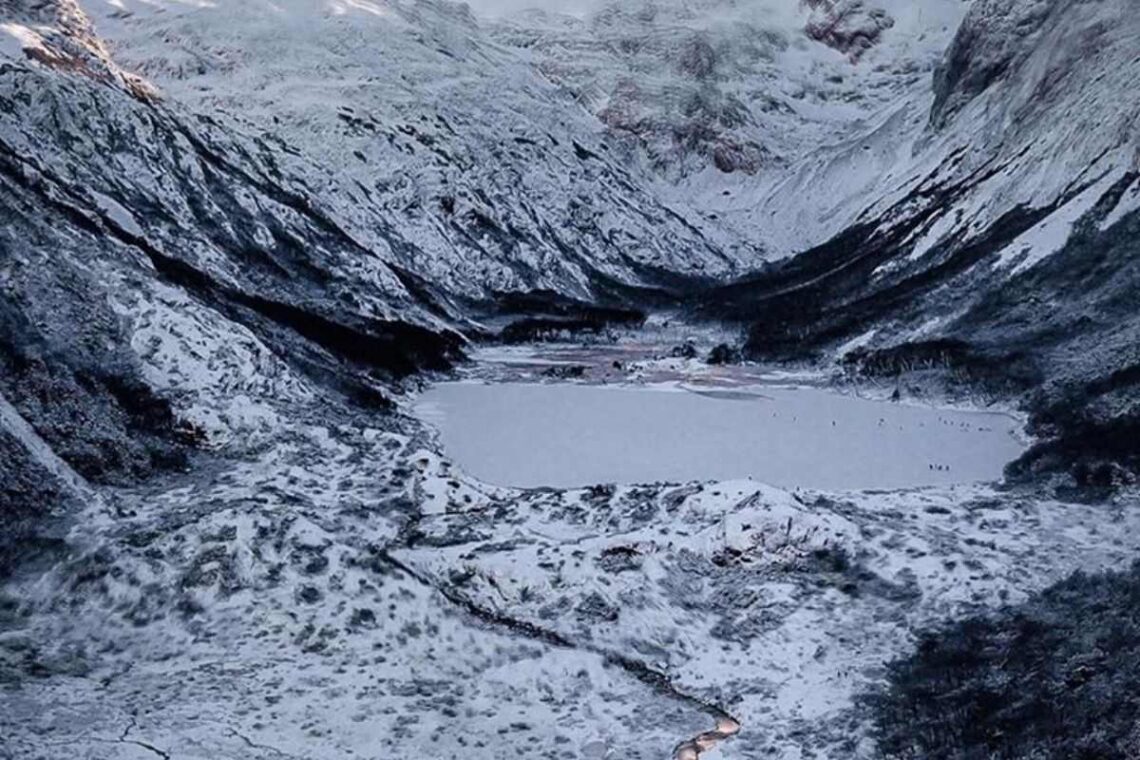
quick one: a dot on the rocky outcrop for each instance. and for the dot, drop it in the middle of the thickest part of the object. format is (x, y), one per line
(995, 36)
(743, 88)
(28, 497)
(849, 26)
(59, 34)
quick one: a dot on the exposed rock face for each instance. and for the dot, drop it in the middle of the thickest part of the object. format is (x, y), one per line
(28, 497)
(849, 26)
(995, 36)
(66, 366)
(698, 58)
(739, 87)
(57, 33)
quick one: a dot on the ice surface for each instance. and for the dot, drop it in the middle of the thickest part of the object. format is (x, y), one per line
(567, 435)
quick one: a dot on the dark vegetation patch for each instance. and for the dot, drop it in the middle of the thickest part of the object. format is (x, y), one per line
(833, 566)
(828, 566)
(620, 558)
(990, 368)
(685, 350)
(28, 496)
(65, 368)
(109, 426)
(1077, 311)
(542, 329)
(1100, 456)
(1089, 430)
(1055, 678)
(722, 353)
(566, 371)
(549, 303)
(544, 315)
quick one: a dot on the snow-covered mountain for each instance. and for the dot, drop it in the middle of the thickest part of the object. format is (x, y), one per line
(948, 171)
(256, 191)
(991, 232)
(232, 233)
(719, 101)
(415, 119)
(1025, 105)
(737, 87)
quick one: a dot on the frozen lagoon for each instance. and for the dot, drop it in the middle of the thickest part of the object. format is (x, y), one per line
(567, 435)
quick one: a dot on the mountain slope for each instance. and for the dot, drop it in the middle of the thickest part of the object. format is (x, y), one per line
(153, 266)
(746, 88)
(720, 100)
(1002, 245)
(495, 180)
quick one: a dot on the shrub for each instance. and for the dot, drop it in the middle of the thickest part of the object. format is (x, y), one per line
(1056, 677)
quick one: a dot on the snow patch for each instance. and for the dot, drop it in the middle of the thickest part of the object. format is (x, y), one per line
(1050, 236)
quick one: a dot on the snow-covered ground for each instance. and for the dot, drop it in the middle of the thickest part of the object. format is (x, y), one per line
(347, 591)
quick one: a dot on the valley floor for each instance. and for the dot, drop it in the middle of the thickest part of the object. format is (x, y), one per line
(348, 592)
